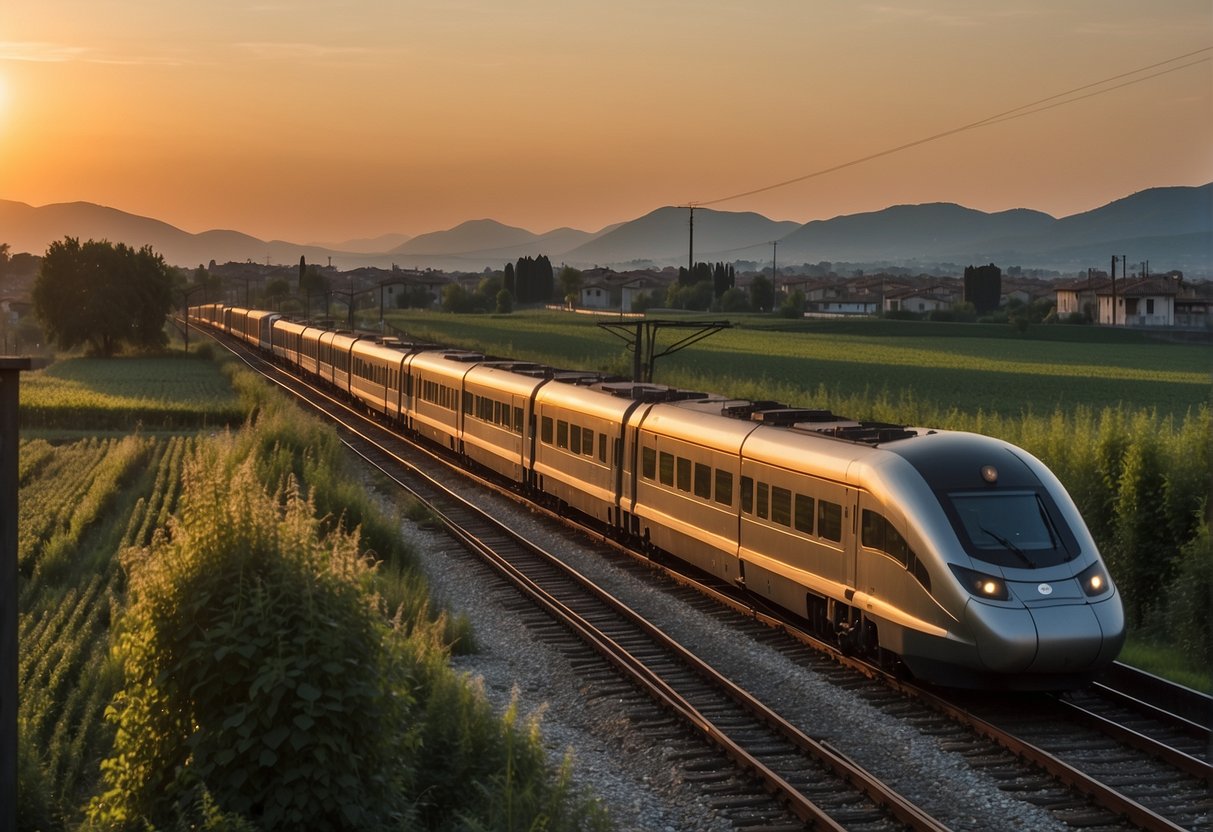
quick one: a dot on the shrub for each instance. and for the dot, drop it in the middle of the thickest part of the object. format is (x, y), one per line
(1190, 609)
(256, 670)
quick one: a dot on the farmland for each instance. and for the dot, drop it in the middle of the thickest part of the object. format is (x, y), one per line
(922, 371)
(134, 523)
(120, 394)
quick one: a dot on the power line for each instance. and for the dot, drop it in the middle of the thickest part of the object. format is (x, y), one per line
(1007, 115)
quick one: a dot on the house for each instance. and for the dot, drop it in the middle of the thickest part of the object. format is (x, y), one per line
(920, 300)
(1078, 297)
(1143, 302)
(616, 291)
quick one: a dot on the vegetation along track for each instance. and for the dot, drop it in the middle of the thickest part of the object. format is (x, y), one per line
(1076, 792)
(764, 767)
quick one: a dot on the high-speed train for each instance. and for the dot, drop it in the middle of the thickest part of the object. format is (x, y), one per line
(955, 556)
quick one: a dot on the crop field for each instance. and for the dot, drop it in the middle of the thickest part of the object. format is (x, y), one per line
(158, 393)
(924, 369)
(81, 503)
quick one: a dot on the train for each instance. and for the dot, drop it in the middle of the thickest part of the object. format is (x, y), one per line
(953, 557)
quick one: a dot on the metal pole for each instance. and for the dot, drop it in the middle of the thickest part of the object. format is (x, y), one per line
(10, 375)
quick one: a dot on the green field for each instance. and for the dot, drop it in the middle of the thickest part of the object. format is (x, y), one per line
(122, 394)
(923, 368)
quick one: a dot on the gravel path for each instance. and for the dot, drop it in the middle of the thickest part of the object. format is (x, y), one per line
(635, 780)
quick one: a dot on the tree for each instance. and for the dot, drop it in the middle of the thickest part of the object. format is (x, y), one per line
(762, 293)
(570, 284)
(983, 287)
(103, 295)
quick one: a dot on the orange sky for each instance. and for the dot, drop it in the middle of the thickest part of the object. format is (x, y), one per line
(322, 120)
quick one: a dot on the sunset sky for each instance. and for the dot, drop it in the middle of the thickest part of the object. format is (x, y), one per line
(322, 120)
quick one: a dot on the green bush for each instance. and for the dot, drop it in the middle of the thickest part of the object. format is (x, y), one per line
(256, 669)
(1190, 611)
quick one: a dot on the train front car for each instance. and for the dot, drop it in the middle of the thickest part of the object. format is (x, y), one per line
(1015, 566)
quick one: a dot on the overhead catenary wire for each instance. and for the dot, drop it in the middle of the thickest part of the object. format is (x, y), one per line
(1028, 109)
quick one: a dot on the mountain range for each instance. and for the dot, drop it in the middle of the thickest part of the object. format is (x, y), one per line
(1172, 227)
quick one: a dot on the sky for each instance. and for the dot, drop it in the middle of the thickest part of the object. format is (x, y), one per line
(327, 120)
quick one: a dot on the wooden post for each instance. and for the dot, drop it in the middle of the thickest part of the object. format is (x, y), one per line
(10, 375)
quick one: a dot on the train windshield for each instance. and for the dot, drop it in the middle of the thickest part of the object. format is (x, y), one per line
(1009, 529)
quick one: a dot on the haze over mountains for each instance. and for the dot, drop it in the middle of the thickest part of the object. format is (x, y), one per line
(1171, 227)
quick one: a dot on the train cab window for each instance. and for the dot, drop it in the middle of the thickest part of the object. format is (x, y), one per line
(878, 533)
(919, 570)
(804, 514)
(781, 506)
(574, 438)
(648, 463)
(724, 487)
(666, 468)
(562, 434)
(602, 448)
(829, 520)
(764, 491)
(684, 474)
(703, 481)
(747, 494)
(546, 430)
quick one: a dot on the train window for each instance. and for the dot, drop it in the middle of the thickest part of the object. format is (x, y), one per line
(829, 520)
(518, 420)
(587, 441)
(781, 506)
(666, 468)
(804, 514)
(546, 430)
(724, 487)
(919, 570)
(763, 501)
(703, 481)
(467, 402)
(649, 463)
(602, 448)
(872, 530)
(684, 474)
(562, 434)
(574, 438)
(747, 494)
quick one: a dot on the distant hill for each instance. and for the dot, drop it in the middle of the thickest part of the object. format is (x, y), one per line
(1171, 227)
(661, 236)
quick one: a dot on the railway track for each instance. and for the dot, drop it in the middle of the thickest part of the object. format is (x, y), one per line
(1174, 794)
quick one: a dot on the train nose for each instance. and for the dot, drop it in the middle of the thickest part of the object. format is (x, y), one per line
(1057, 638)
(1069, 638)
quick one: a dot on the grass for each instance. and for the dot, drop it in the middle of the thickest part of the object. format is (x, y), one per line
(1167, 662)
(967, 367)
(167, 392)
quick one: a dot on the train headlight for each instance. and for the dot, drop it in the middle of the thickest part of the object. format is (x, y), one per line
(1094, 579)
(980, 584)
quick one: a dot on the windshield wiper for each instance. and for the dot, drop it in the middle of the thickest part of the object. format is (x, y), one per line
(1009, 546)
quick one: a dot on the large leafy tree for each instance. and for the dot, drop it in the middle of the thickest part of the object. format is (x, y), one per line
(103, 295)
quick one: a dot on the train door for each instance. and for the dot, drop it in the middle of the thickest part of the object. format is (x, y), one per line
(850, 534)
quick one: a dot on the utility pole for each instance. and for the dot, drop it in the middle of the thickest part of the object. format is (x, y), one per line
(775, 265)
(691, 243)
(1113, 290)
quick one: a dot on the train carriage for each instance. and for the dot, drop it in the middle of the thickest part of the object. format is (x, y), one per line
(434, 394)
(258, 328)
(498, 407)
(333, 349)
(577, 458)
(377, 374)
(687, 488)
